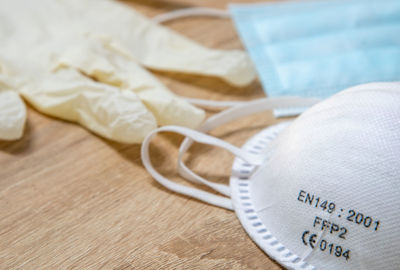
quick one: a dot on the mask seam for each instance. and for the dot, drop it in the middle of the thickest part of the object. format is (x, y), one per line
(280, 252)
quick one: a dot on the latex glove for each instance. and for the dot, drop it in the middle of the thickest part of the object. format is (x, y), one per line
(12, 113)
(104, 92)
(158, 47)
(12, 108)
(66, 69)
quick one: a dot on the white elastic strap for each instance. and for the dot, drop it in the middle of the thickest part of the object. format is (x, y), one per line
(189, 12)
(231, 114)
(213, 104)
(186, 190)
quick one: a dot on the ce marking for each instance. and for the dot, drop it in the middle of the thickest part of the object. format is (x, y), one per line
(309, 239)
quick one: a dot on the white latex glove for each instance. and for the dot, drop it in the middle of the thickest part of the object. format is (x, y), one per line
(12, 108)
(67, 64)
(158, 47)
(12, 115)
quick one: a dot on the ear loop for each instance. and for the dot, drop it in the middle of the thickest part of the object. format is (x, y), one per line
(234, 113)
(189, 191)
(192, 135)
(190, 12)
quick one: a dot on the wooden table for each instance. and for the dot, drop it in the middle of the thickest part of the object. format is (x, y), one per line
(72, 200)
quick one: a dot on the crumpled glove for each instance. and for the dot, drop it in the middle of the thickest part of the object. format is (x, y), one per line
(81, 61)
(12, 112)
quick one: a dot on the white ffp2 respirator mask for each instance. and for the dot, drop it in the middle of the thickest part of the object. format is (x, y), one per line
(321, 192)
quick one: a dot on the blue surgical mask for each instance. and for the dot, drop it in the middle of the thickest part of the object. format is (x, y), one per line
(317, 48)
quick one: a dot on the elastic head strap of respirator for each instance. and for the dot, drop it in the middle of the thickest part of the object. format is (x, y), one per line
(190, 12)
(189, 191)
(213, 122)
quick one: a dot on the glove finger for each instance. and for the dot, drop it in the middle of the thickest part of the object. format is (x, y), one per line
(171, 110)
(103, 109)
(167, 108)
(116, 70)
(158, 47)
(12, 116)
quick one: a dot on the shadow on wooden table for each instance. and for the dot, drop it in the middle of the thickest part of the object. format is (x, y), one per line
(20, 146)
(211, 85)
(163, 160)
(159, 4)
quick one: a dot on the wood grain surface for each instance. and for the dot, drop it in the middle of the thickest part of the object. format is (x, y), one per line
(72, 200)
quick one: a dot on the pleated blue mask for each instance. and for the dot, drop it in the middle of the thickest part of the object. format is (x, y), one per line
(317, 48)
